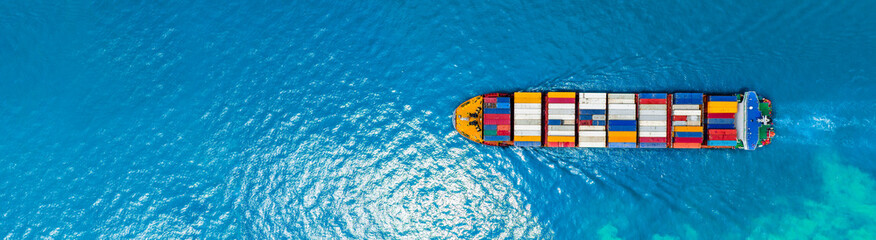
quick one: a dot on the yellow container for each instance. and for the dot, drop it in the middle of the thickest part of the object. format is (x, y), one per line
(527, 138)
(689, 129)
(721, 110)
(561, 95)
(560, 139)
(527, 97)
(527, 100)
(626, 136)
(722, 105)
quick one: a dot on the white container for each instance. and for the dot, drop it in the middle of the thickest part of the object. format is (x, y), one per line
(627, 101)
(653, 112)
(526, 111)
(561, 117)
(622, 96)
(599, 117)
(527, 106)
(527, 133)
(560, 128)
(592, 144)
(685, 107)
(652, 134)
(536, 122)
(591, 128)
(652, 128)
(591, 134)
(652, 123)
(527, 128)
(592, 106)
(593, 95)
(653, 107)
(561, 133)
(561, 112)
(686, 112)
(591, 139)
(652, 117)
(527, 116)
(622, 106)
(593, 101)
(622, 117)
(561, 106)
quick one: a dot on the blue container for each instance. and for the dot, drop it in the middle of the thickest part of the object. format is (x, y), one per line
(720, 120)
(621, 145)
(503, 100)
(689, 134)
(555, 122)
(497, 138)
(652, 96)
(491, 127)
(591, 111)
(598, 123)
(621, 128)
(723, 143)
(622, 122)
(527, 144)
(720, 126)
(585, 117)
(503, 105)
(497, 111)
(652, 145)
(722, 98)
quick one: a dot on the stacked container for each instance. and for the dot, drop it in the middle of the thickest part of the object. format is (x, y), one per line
(527, 119)
(497, 118)
(621, 120)
(687, 128)
(591, 119)
(720, 121)
(560, 119)
(653, 117)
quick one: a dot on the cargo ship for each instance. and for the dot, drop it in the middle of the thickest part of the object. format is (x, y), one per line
(617, 120)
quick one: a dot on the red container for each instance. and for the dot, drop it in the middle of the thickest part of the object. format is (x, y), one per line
(490, 100)
(504, 128)
(688, 140)
(721, 115)
(497, 116)
(503, 133)
(560, 144)
(585, 122)
(561, 100)
(652, 139)
(679, 118)
(497, 121)
(722, 132)
(652, 101)
(722, 137)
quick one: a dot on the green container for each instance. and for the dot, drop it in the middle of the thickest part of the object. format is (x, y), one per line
(490, 133)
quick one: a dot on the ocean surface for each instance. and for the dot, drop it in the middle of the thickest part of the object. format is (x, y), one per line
(332, 119)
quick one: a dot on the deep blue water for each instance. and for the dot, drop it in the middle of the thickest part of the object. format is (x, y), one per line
(332, 119)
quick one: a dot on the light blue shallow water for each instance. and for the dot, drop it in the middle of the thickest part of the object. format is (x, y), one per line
(330, 120)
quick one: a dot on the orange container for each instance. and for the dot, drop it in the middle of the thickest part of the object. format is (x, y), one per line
(527, 138)
(686, 145)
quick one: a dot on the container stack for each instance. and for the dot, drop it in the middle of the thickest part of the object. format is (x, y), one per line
(591, 119)
(527, 119)
(720, 121)
(653, 117)
(561, 119)
(497, 119)
(621, 120)
(687, 128)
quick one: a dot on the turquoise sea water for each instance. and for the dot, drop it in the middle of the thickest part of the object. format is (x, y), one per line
(332, 120)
